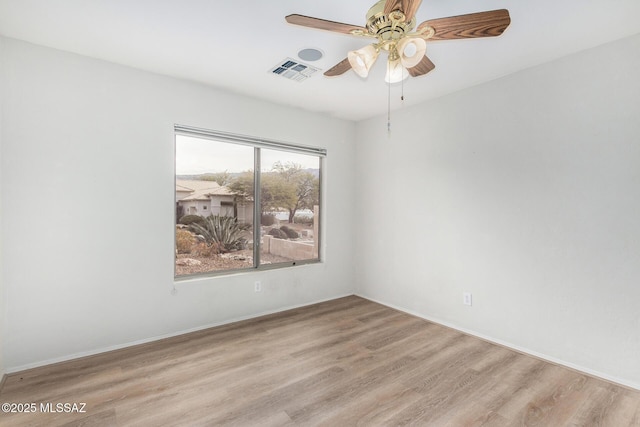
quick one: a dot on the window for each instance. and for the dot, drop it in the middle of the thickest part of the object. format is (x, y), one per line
(223, 224)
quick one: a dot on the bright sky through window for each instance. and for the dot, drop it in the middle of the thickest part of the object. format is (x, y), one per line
(197, 156)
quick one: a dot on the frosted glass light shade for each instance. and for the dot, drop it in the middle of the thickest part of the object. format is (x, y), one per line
(411, 51)
(362, 59)
(395, 72)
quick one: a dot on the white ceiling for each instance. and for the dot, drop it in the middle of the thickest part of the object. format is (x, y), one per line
(233, 45)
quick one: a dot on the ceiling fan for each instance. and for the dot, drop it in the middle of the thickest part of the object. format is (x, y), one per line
(391, 23)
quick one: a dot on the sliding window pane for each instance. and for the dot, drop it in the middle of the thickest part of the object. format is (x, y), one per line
(214, 206)
(290, 206)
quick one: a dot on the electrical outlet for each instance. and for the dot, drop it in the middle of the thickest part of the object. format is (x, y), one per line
(466, 298)
(257, 286)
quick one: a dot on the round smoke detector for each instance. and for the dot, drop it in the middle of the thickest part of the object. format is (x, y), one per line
(310, 54)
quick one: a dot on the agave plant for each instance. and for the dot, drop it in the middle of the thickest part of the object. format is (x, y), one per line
(221, 230)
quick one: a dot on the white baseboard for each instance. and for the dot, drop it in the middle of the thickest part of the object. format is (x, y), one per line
(15, 369)
(527, 351)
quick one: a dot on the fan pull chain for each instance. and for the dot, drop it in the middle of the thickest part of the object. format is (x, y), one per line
(388, 103)
(389, 109)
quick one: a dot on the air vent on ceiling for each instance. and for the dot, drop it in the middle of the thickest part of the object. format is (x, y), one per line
(294, 70)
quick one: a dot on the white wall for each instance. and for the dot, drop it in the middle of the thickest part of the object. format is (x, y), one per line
(524, 191)
(83, 140)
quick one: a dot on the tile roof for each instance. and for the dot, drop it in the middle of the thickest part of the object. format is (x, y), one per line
(201, 190)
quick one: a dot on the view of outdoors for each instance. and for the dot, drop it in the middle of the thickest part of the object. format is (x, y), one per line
(215, 195)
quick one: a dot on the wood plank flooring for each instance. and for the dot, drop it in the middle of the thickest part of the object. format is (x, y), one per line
(345, 362)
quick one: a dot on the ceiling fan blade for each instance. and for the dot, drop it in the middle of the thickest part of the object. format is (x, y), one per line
(338, 69)
(422, 68)
(481, 24)
(323, 24)
(408, 7)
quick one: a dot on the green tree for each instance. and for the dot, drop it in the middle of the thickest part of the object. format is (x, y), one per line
(242, 185)
(288, 187)
(222, 178)
(304, 185)
(275, 191)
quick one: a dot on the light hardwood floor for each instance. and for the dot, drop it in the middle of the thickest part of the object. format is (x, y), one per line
(340, 363)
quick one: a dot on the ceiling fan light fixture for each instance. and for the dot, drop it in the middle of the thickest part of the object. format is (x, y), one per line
(362, 59)
(395, 72)
(411, 51)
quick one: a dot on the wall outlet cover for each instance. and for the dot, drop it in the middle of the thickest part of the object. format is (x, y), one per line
(466, 298)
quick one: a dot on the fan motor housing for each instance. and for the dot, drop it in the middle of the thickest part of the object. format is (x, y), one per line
(388, 27)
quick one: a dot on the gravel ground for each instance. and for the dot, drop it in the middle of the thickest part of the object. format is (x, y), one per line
(224, 262)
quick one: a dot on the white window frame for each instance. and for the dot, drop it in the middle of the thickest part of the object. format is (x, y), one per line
(257, 144)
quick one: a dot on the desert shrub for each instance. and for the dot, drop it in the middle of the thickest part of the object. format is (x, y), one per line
(303, 219)
(291, 233)
(278, 234)
(221, 230)
(205, 249)
(184, 241)
(267, 220)
(190, 219)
